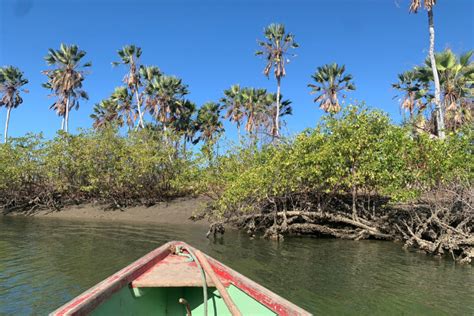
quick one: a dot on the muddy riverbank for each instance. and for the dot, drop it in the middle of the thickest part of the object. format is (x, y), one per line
(178, 211)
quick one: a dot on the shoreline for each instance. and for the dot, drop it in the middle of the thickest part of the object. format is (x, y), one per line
(177, 211)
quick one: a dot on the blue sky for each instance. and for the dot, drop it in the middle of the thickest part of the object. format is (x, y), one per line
(211, 45)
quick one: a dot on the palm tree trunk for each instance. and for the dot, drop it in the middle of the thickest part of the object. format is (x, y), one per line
(239, 133)
(62, 124)
(140, 116)
(438, 105)
(6, 124)
(412, 123)
(66, 118)
(276, 132)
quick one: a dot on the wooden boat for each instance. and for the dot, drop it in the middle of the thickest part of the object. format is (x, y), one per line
(177, 279)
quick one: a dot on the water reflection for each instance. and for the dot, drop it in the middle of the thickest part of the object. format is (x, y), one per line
(45, 262)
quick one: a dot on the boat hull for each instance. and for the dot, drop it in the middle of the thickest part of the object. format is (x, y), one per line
(127, 292)
(164, 301)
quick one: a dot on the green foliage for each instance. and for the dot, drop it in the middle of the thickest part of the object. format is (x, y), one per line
(330, 81)
(255, 107)
(165, 99)
(128, 54)
(117, 110)
(66, 77)
(358, 150)
(275, 49)
(456, 76)
(11, 82)
(104, 166)
(21, 168)
(210, 127)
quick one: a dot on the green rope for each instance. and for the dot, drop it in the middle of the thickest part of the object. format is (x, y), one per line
(192, 257)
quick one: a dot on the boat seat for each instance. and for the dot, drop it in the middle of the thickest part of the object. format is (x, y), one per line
(172, 271)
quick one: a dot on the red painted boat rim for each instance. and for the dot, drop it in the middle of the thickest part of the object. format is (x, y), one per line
(90, 299)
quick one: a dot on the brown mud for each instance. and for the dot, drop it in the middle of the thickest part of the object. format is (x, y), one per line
(177, 211)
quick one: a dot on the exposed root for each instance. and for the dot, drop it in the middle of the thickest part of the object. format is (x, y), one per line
(442, 224)
(216, 229)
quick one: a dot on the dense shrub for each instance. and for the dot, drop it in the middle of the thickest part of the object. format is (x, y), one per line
(353, 158)
(355, 176)
(142, 167)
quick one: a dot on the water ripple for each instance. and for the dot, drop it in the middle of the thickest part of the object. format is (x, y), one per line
(45, 262)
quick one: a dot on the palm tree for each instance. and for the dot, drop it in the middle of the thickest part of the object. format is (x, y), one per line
(413, 98)
(117, 110)
(148, 73)
(129, 55)
(164, 96)
(65, 79)
(233, 102)
(412, 88)
(184, 123)
(209, 126)
(269, 111)
(254, 105)
(182, 120)
(456, 77)
(11, 83)
(275, 48)
(106, 114)
(330, 82)
(123, 100)
(428, 5)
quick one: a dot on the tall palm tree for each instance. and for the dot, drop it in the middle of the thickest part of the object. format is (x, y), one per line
(456, 77)
(254, 105)
(275, 47)
(184, 123)
(209, 126)
(331, 80)
(269, 111)
(65, 79)
(233, 102)
(259, 109)
(149, 73)
(123, 100)
(117, 110)
(106, 114)
(411, 87)
(129, 56)
(182, 120)
(413, 97)
(11, 83)
(164, 96)
(428, 5)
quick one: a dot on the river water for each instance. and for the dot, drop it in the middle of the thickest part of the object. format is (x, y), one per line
(46, 262)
